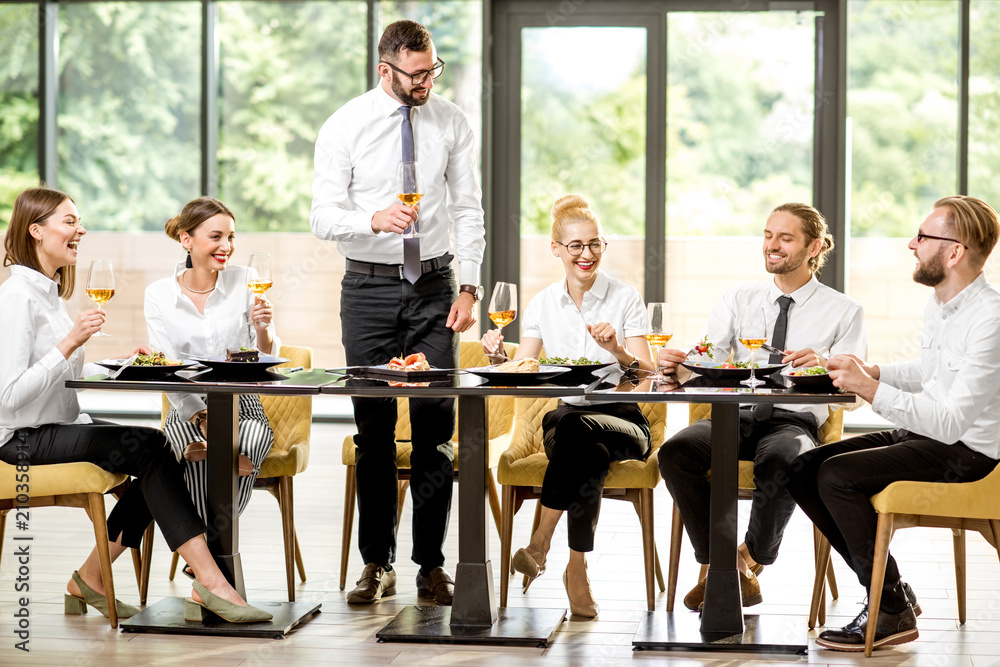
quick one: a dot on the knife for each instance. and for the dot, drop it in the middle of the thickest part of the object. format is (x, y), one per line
(128, 362)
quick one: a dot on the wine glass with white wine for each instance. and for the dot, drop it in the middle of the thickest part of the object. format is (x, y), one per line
(660, 329)
(411, 191)
(503, 306)
(101, 285)
(261, 263)
(752, 332)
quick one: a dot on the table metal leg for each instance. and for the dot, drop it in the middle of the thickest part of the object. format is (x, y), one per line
(223, 520)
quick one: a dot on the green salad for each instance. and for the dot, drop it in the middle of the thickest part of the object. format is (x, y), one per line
(812, 370)
(562, 361)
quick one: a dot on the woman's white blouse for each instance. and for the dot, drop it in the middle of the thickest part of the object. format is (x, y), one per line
(33, 371)
(179, 331)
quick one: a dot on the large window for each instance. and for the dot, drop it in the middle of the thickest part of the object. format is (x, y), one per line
(129, 110)
(18, 102)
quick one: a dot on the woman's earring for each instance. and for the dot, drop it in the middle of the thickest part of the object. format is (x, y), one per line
(187, 262)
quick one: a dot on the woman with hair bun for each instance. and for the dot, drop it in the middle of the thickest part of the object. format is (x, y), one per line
(41, 422)
(204, 309)
(587, 314)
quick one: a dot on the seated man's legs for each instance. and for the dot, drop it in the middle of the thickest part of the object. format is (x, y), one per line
(684, 460)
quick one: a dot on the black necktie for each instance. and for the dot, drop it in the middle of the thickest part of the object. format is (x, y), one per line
(411, 247)
(763, 411)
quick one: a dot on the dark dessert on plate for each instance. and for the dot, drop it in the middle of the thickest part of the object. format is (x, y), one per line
(244, 354)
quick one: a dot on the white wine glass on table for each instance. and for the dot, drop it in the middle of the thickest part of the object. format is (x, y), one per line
(660, 329)
(261, 263)
(101, 285)
(752, 332)
(503, 307)
(411, 191)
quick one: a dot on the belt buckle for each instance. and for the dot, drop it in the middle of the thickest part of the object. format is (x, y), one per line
(401, 275)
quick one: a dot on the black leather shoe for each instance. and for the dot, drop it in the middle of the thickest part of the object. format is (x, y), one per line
(374, 583)
(890, 630)
(437, 586)
(911, 598)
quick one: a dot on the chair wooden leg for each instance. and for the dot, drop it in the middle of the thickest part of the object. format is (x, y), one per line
(958, 540)
(298, 558)
(817, 605)
(831, 580)
(648, 544)
(174, 560)
(994, 528)
(883, 535)
(534, 528)
(3, 527)
(658, 569)
(350, 488)
(146, 559)
(676, 538)
(494, 500)
(285, 503)
(506, 536)
(95, 505)
(404, 484)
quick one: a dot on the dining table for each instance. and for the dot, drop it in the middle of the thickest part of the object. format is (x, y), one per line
(722, 625)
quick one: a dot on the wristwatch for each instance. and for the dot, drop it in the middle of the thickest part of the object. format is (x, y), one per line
(475, 290)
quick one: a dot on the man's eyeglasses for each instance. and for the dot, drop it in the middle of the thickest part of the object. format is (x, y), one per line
(921, 236)
(576, 248)
(418, 78)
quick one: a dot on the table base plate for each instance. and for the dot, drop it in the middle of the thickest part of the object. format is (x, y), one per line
(681, 631)
(514, 627)
(167, 617)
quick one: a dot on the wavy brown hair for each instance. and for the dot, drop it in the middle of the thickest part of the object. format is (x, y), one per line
(35, 206)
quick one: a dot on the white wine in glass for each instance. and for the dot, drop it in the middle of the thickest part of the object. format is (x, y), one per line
(101, 284)
(660, 328)
(503, 305)
(261, 263)
(752, 332)
(411, 191)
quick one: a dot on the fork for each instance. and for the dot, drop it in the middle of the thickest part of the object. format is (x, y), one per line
(128, 362)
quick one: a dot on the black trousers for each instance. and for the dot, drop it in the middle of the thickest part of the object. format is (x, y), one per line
(772, 445)
(158, 492)
(581, 442)
(383, 318)
(833, 484)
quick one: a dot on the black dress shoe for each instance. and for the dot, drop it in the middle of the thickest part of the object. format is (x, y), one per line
(890, 630)
(911, 598)
(374, 583)
(438, 586)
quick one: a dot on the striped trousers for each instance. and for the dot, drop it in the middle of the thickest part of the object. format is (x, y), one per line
(255, 440)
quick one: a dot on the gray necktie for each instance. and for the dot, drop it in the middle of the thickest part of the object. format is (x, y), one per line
(764, 410)
(411, 247)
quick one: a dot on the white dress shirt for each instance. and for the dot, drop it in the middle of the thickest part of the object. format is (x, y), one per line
(358, 152)
(33, 371)
(179, 331)
(819, 317)
(952, 392)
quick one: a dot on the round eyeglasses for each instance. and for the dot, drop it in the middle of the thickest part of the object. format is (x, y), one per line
(418, 78)
(576, 248)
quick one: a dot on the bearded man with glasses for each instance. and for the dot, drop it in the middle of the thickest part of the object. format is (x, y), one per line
(399, 294)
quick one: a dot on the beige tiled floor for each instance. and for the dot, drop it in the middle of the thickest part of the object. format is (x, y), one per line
(345, 635)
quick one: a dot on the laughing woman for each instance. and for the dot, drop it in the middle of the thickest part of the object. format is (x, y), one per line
(204, 309)
(39, 416)
(587, 314)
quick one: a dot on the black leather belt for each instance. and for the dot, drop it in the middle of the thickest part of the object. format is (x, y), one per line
(396, 270)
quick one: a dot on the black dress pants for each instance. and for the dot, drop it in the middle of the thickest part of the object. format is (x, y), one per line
(581, 442)
(772, 445)
(384, 318)
(157, 494)
(833, 484)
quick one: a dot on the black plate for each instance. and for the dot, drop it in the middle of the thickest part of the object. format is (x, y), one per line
(144, 372)
(494, 377)
(714, 372)
(241, 370)
(810, 382)
(580, 373)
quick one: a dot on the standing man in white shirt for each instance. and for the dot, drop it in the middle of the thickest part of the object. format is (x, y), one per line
(946, 405)
(802, 316)
(400, 295)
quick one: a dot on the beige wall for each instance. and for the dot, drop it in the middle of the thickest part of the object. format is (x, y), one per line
(307, 275)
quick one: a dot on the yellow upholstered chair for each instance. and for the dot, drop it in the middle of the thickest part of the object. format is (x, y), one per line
(67, 485)
(830, 431)
(960, 507)
(500, 417)
(522, 470)
(291, 420)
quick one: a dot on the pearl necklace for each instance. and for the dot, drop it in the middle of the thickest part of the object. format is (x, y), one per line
(195, 291)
